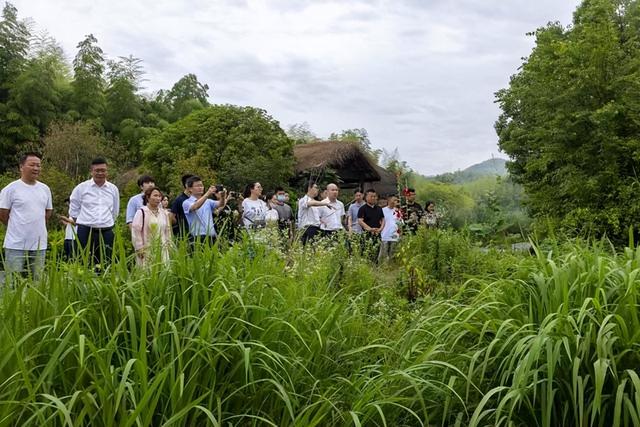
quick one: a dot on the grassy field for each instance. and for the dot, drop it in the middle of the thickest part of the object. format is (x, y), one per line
(253, 335)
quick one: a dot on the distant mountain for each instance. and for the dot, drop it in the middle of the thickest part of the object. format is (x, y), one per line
(491, 167)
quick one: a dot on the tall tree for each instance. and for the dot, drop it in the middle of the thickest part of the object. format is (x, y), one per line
(14, 46)
(122, 103)
(186, 95)
(301, 133)
(360, 136)
(88, 80)
(570, 122)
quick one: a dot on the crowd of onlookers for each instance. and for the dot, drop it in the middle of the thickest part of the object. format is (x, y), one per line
(198, 214)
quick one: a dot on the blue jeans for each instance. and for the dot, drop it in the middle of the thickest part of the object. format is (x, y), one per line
(15, 261)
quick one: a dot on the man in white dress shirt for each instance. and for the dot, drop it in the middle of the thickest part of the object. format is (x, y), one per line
(331, 218)
(308, 219)
(94, 206)
(25, 206)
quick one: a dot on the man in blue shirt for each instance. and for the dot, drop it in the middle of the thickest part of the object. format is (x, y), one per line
(144, 182)
(199, 210)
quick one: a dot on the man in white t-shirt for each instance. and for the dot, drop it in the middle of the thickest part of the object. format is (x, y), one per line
(390, 234)
(331, 218)
(25, 207)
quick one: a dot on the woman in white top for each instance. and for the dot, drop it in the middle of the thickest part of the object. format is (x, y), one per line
(254, 209)
(272, 216)
(390, 234)
(151, 229)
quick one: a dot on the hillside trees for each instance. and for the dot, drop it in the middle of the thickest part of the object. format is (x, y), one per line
(570, 120)
(239, 144)
(14, 46)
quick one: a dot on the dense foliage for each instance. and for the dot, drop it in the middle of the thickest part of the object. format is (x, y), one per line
(40, 92)
(238, 144)
(570, 120)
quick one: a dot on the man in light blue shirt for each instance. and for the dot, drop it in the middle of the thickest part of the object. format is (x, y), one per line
(199, 210)
(136, 202)
(352, 216)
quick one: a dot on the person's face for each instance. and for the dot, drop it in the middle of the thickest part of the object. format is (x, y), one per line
(411, 197)
(431, 207)
(372, 198)
(30, 169)
(99, 172)
(286, 197)
(358, 197)
(147, 185)
(392, 202)
(332, 192)
(281, 197)
(313, 191)
(154, 198)
(165, 202)
(197, 189)
(257, 190)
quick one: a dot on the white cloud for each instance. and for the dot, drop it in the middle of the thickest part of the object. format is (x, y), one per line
(418, 75)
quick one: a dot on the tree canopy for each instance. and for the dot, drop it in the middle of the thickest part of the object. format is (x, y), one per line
(239, 144)
(570, 120)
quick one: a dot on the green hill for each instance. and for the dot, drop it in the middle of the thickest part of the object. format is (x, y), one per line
(490, 167)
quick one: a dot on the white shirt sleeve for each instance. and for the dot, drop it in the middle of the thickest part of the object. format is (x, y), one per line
(49, 200)
(116, 203)
(75, 201)
(5, 198)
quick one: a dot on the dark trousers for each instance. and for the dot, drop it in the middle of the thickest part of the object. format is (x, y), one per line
(310, 233)
(99, 241)
(69, 249)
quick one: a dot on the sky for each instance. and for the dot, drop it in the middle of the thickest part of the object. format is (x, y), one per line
(418, 75)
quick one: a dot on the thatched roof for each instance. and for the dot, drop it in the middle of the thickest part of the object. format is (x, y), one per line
(388, 183)
(347, 159)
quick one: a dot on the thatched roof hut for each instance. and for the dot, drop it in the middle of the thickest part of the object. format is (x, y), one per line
(388, 183)
(352, 165)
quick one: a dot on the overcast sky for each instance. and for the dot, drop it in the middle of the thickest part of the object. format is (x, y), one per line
(419, 75)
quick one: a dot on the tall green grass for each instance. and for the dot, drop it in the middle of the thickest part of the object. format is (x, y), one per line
(557, 346)
(253, 335)
(244, 336)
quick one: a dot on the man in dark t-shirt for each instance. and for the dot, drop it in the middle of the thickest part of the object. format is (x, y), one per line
(180, 226)
(412, 212)
(371, 219)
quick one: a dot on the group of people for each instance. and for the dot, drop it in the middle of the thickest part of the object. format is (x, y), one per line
(196, 214)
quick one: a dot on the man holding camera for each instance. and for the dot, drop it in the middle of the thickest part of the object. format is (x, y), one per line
(199, 210)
